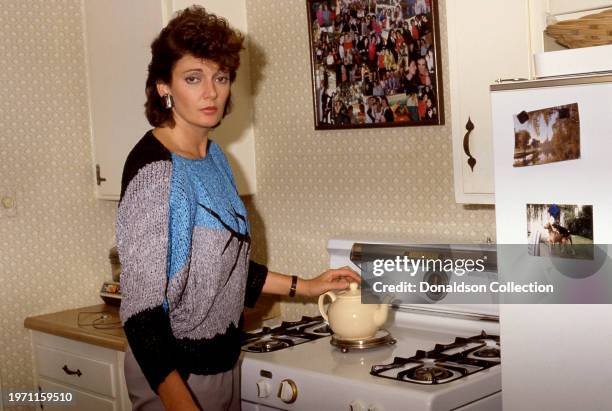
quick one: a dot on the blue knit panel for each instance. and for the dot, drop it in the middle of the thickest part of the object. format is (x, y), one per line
(215, 189)
(209, 182)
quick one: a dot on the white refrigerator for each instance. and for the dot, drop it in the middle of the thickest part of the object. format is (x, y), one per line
(553, 166)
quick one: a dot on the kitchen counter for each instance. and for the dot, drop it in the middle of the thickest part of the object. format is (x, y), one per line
(97, 324)
(100, 324)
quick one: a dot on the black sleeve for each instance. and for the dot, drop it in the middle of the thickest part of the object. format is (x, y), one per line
(255, 281)
(151, 341)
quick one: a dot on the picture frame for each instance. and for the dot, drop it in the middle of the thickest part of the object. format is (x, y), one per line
(375, 63)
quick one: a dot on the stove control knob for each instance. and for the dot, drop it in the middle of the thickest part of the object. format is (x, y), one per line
(263, 388)
(287, 391)
(358, 405)
(374, 407)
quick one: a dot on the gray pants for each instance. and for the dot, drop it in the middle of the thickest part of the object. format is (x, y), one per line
(219, 392)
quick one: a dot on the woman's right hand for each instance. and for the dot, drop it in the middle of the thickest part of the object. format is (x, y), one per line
(332, 279)
(175, 395)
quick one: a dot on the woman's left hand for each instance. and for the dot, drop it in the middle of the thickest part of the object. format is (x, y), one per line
(332, 279)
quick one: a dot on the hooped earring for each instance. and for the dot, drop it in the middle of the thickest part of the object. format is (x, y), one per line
(168, 101)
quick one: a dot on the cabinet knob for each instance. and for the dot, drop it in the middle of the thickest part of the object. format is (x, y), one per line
(68, 371)
(99, 178)
(469, 126)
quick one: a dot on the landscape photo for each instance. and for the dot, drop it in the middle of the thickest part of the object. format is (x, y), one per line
(547, 135)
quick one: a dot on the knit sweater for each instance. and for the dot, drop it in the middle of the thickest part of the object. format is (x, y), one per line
(184, 245)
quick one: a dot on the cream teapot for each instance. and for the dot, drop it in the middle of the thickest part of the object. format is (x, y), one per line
(348, 318)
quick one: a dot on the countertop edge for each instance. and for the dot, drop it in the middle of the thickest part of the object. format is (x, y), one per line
(48, 323)
(78, 324)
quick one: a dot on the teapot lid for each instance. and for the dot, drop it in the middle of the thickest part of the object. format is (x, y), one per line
(352, 291)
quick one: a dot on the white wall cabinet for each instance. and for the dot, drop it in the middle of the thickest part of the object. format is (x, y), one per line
(117, 36)
(487, 40)
(92, 374)
(545, 12)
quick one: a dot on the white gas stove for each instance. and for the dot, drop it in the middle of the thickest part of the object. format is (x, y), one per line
(444, 358)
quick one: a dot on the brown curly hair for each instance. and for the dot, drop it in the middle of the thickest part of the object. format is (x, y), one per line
(193, 31)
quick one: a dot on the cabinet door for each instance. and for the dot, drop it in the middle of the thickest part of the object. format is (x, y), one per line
(118, 35)
(487, 40)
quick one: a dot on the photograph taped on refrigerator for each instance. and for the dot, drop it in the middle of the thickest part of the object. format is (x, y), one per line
(560, 230)
(547, 135)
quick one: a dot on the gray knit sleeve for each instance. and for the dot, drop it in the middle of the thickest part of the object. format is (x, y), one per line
(142, 242)
(142, 238)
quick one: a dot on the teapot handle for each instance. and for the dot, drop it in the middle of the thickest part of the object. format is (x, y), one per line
(322, 309)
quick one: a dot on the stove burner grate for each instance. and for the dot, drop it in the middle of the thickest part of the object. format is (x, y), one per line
(324, 329)
(287, 334)
(445, 363)
(431, 374)
(488, 352)
(268, 345)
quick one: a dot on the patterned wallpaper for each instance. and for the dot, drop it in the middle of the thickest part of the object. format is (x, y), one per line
(53, 253)
(313, 185)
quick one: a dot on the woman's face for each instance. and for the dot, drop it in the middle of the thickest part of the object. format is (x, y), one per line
(199, 89)
(422, 66)
(412, 68)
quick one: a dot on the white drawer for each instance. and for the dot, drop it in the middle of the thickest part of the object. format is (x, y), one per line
(97, 366)
(81, 401)
(70, 368)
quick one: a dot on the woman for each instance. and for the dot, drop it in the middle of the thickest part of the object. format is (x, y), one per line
(361, 115)
(327, 17)
(423, 77)
(319, 15)
(429, 58)
(409, 81)
(386, 110)
(423, 106)
(182, 231)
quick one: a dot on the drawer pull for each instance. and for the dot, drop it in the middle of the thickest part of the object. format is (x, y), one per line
(70, 372)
